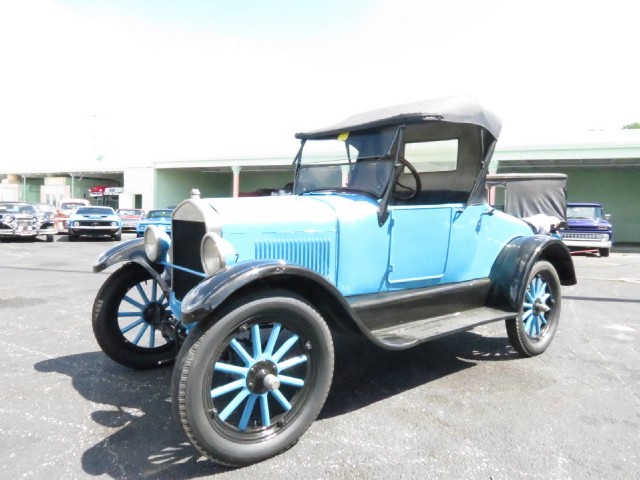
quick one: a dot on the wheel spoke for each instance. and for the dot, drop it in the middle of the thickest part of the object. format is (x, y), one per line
(286, 346)
(255, 339)
(142, 294)
(273, 337)
(246, 414)
(129, 314)
(132, 325)
(281, 400)
(527, 295)
(239, 349)
(133, 302)
(140, 334)
(292, 362)
(234, 404)
(229, 387)
(231, 369)
(294, 382)
(154, 290)
(152, 337)
(264, 410)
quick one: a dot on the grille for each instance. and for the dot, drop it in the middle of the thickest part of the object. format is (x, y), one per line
(585, 236)
(186, 238)
(311, 253)
(94, 223)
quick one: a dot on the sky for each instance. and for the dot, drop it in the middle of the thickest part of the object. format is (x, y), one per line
(128, 82)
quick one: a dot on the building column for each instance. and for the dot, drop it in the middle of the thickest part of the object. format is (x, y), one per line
(236, 180)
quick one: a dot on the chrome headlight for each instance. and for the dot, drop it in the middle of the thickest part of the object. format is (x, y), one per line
(215, 253)
(76, 223)
(40, 218)
(7, 219)
(114, 224)
(156, 243)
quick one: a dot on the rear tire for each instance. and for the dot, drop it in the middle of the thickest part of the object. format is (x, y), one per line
(604, 252)
(532, 331)
(249, 383)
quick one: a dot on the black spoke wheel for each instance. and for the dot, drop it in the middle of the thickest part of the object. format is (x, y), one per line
(131, 319)
(532, 331)
(249, 382)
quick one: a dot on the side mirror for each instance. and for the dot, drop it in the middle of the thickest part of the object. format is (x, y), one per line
(607, 216)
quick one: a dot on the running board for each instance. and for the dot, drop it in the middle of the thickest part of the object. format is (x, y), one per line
(410, 334)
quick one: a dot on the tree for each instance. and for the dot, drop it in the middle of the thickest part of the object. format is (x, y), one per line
(631, 126)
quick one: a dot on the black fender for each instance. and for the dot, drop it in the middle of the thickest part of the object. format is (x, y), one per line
(130, 251)
(206, 297)
(514, 263)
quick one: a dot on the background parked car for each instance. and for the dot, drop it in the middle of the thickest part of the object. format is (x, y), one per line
(65, 209)
(161, 218)
(95, 221)
(130, 217)
(588, 228)
(22, 220)
(49, 211)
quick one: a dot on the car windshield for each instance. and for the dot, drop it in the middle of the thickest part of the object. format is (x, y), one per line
(357, 162)
(70, 206)
(159, 214)
(17, 208)
(129, 212)
(94, 211)
(584, 212)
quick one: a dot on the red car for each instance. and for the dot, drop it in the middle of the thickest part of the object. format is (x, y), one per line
(130, 217)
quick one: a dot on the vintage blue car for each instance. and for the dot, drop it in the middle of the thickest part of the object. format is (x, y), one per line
(387, 234)
(160, 218)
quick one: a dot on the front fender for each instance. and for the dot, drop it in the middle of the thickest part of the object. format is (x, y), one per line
(511, 269)
(209, 294)
(130, 251)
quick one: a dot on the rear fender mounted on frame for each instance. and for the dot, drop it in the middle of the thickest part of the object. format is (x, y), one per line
(515, 261)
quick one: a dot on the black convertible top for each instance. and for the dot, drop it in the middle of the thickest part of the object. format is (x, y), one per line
(455, 109)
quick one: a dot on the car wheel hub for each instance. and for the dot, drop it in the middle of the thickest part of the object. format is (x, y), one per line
(153, 314)
(263, 377)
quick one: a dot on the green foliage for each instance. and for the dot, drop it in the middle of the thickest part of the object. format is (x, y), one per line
(632, 126)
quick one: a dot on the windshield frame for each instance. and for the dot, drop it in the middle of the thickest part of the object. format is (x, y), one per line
(380, 143)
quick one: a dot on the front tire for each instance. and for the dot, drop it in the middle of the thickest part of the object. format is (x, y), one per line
(130, 319)
(532, 331)
(250, 382)
(604, 252)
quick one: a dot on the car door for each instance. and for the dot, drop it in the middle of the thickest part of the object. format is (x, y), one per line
(419, 245)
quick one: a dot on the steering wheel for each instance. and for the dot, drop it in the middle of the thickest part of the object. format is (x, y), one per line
(407, 192)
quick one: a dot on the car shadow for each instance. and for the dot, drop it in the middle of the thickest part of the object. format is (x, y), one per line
(365, 374)
(148, 443)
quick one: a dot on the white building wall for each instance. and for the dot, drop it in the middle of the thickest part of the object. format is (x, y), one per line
(138, 181)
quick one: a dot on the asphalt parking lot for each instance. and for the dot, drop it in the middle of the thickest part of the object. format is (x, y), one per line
(465, 406)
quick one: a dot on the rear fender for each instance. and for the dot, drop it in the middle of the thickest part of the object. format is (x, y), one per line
(514, 263)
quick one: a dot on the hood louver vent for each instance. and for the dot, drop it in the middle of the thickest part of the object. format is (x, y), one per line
(311, 253)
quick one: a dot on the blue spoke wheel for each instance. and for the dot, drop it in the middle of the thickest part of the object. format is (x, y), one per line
(532, 331)
(132, 319)
(251, 380)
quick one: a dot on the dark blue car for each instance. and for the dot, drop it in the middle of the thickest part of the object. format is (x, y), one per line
(588, 228)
